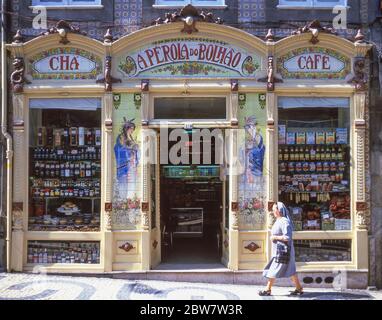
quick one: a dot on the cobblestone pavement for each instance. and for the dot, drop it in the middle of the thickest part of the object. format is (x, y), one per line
(19, 286)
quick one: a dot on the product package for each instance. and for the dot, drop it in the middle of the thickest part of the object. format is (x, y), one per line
(57, 133)
(291, 138)
(282, 134)
(41, 136)
(320, 137)
(300, 138)
(81, 136)
(310, 138)
(342, 135)
(330, 137)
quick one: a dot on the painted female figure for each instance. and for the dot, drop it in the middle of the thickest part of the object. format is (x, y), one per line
(254, 150)
(126, 151)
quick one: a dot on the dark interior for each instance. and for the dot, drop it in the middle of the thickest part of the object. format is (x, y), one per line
(191, 212)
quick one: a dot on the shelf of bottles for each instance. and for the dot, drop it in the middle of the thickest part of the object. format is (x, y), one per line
(65, 179)
(314, 177)
(322, 250)
(49, 252)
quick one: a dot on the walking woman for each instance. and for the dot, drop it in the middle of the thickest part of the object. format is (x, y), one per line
(282, 264)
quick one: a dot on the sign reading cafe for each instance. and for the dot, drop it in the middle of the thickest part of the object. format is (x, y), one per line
(313, 63)
(202, 57)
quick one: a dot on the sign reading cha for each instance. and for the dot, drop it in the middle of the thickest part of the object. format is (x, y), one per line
(65, 63)
(192, 55)
(313, 63)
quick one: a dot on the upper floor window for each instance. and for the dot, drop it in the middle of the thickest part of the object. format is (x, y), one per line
(64, 3)
(312, 3)
(196, 3)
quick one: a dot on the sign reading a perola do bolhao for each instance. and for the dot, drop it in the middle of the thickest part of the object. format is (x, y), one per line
(189, 57)
(313, 63)
(66, 64)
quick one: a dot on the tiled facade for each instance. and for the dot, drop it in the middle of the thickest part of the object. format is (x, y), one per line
(251, 17)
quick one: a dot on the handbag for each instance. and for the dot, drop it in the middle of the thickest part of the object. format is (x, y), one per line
(282, 252)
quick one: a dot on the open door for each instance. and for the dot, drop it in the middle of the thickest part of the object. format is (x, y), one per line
(154, 189)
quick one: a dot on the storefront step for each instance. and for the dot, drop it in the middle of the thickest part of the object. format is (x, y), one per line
(350, 280)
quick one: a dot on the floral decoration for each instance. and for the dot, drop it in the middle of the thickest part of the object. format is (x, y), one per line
(189, 68)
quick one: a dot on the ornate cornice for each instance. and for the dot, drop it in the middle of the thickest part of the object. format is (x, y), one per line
(315, 28)
(189, 15)
(63, 28)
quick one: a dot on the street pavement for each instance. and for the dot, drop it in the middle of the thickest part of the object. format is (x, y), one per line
(22, 286)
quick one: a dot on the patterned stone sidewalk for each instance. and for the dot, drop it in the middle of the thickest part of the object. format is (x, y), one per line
(21, 286)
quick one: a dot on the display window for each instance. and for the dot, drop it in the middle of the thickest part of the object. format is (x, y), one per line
(314, 161)
(64, 164)
(322, 250)
(49, 252)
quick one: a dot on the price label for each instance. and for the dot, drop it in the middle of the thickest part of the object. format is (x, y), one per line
(295, 182)
(314, 183)
(91, 149)
(296, 210)
(312, 223)
(325, 216)
(315, 244)
(60, 152)
(313, 195)
(74, 151)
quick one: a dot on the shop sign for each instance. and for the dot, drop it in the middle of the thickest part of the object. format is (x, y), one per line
(313, 63)
(189, 57)
(65, 63)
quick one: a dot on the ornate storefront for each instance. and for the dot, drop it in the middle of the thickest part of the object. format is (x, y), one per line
(86, 197)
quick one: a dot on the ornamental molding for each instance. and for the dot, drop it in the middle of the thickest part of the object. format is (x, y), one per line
(17, 76)
(107, 78)
(62, 28)
(314, 28)
(189, 15)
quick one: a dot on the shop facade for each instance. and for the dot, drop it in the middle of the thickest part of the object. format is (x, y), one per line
(89, 179)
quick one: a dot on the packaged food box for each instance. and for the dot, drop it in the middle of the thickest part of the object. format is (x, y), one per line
(297, 225)
(342, 224)
(300, 138)
(328, 225)
(320, 137)
(341, 135)
(310, 138)
(291, 138)
(330, 137)
(282, 134)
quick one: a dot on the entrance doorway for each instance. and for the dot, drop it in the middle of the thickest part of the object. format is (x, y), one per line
(191, 203)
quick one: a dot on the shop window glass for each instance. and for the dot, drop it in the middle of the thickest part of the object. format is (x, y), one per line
(313, 3)
(196, 3)
(322, 250)
(49, 252)
(64, 164)
(314, 162)
(190, 108)
(65, 2)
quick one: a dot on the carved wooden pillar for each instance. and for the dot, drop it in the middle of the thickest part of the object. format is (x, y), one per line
(234, 170)
(107, 157)
(362, 219)
(234, 102)
(20, 182)
(145, 180)
(272, 142)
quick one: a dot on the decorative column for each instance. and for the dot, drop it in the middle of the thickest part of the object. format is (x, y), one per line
(234, 207)
(107, 177)
(145, 192)
(271, 158)
(20, 183)
(362, 220)
(234, 102)
(360, 80)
